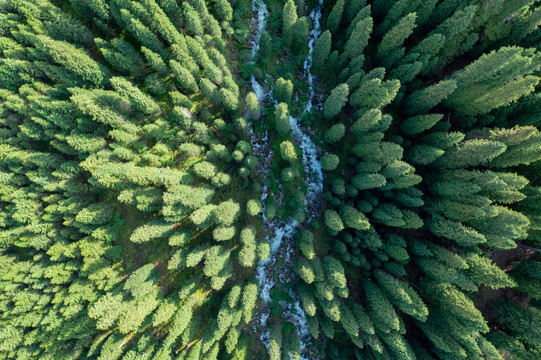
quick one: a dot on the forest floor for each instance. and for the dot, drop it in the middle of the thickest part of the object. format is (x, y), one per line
(486, 295)
(133, 218)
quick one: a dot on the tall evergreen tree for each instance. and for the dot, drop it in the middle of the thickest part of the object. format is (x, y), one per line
(289, 19)
(336, 101)
(322, 49)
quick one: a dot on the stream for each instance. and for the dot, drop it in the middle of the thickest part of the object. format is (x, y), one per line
(279, 233)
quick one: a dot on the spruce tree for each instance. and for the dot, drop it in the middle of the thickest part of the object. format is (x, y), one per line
(289, 19)
(253, 108)
(322, 50)
(184, 77)
(223, 9)
(495, 79)
(283, 90)
(281, 118)
(335, 16)
(359, 37)
(300, 30)
(395, 37)
(287, 151)
(421, 101)
(336, 101)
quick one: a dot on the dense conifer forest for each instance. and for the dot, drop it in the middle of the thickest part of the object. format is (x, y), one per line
(270, 179)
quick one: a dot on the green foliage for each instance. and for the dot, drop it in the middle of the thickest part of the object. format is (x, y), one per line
(329, 162)
(417, 124)
(353, 218)
(494, 80)
(300, 30)
(333, 221)
(129, 219)
(395, 37)
(380, 309)
(223, 10)
(192, 19)
(306, 244)
(359, 37)
(334, 271)
(253, 109)
(281, 118)
(289, 19)
(283, 90)
(322, 50)
(80, 65)
(275, 342)
(335, 16)
(287, 151)
(335, 133)
(184, 77)
(423, 100)
(253, 207)
(336, 101)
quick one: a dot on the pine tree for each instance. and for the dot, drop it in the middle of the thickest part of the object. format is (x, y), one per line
(482, 271)
(247, 253)
(289, 18)
(368, 181)
(283, 90)
(359, 37)
(452, 300)
(253, 108)
(306, 244)
(75, 60)
(462, 235)
(184, 77)
(417, 124)
(275, 342)
(329, 162)
(140, 100)
(213, 73)
(287, 151)
(122, 56)
(265, 44)
(380, 309)
(425, 99)
(192, 19)
(334, 271)
(424, 154)
(228, 99)
(335, 16)
(375, 93)
(322, 50)
(301, 29)
(494, 80)
(223, 9)
(253, 207)
(142, 33)
(403, 296)
(336, 101)
(395, 37)
(335, 133)
(333, 221)
(455, 29)
(471, 153)
(353, 218)
(281, 118)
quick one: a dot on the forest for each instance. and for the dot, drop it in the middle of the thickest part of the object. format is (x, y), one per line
(270, 179)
